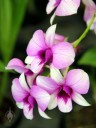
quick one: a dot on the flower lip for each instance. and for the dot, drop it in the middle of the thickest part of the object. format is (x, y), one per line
(65, 92)
(58, 2)
(46, 55)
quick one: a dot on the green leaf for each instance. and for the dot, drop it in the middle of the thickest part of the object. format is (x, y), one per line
(89, 58)
(11, 17)
(2, 67)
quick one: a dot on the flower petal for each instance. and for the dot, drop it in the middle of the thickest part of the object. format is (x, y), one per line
(67, 7)
(64, 106)
(59, 38)
(79, 99)
(89, 10)
(50, 6)
(63, 55)
(78, 80)
(41, 96)
(28, 112)
(36, 65)
(50, 35)
(19, 105)
(43, 114)
(56, 75)
(17, 91)
(29, 59)
(53, 101)
(46, 83)
(37, 43)
(17, 65)
(23, 82)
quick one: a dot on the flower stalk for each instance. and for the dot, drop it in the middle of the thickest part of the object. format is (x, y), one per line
(77, 42)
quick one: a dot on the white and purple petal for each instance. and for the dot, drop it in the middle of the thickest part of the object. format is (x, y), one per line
(63, 55)
(41, 96)
(17, 91)
(78, 80)
(47, 84)
(17, 65)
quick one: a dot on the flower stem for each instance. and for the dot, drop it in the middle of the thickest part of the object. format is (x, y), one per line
(76, 43)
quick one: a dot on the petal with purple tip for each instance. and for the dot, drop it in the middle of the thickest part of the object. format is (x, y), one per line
(28, 112)
(64, 106)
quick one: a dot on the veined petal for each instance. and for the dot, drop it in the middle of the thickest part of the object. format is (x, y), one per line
(28, 112)
(63, 55)
(37, 65)
(37, 43)
(46, 83)
(17, 91)
(50, 35)
(67, 7)
(78, 80)
(50, 6)
(23, 82)
(79, 99)
(41, 96)
(19, 105)
(64, 106)
(17, 65)
(56, 75)
(43, 114)
(53, 101)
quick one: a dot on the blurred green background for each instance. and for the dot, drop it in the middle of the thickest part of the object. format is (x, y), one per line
(18, 21)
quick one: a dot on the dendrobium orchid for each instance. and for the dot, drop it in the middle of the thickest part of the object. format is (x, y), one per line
(64, 90)
(63, 7)
(27, 96)
(90, 8)
(44, 49)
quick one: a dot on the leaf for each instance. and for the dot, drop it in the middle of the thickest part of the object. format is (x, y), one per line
(89, 58)
(2, 67)
(11, 17)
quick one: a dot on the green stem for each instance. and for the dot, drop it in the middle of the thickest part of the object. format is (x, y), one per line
(76, 43)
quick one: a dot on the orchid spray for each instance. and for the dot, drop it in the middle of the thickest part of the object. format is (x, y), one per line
(51, 50)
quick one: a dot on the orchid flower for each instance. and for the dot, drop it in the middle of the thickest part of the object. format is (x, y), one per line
(27, 96)
(64, 90)
(44, 49)
(90, 8)
(63, 7)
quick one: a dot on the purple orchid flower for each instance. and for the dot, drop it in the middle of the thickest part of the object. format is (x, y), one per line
(26, 96)
(63, 7)
(44, 49)
(90, 8)
(64, 90)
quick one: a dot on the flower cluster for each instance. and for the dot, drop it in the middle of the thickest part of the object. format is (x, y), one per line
(50, 50)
